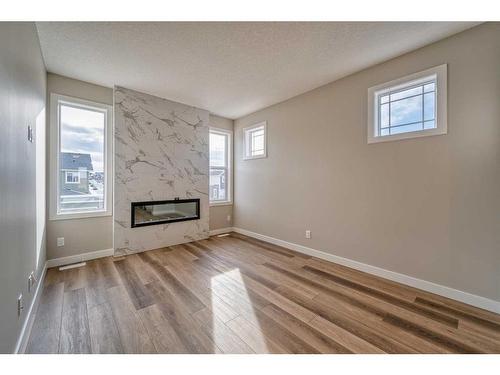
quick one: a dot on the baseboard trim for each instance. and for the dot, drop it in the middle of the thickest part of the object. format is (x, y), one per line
(458, 295)
(79, 258)
(24, 335)
(220, 231)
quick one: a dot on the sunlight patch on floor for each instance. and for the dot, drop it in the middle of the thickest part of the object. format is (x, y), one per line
(229, 291)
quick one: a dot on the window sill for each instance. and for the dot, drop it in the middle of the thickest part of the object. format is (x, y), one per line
(216, 204)
(409, 135)
(254, 157)
(80, 215)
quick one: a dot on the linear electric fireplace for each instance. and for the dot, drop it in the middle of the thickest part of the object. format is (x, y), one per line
(161, 212)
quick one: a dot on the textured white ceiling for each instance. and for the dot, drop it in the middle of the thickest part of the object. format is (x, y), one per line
(228, 68)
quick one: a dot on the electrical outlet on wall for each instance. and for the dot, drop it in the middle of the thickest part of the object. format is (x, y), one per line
(228, 218)
(31, 281)
(60, 241)
(308, 233)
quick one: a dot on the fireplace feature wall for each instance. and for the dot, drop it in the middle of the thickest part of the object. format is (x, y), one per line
(161, 212)
(161, 152)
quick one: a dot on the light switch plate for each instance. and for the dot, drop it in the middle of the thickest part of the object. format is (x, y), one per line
(31, 281)
(20, 306)
(30, 133)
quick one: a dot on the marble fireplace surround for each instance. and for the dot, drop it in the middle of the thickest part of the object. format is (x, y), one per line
(160, 153)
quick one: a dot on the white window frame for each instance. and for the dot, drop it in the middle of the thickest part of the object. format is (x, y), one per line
(439, 73)
(229, 167)
(247, 154)
(55, 141)
(73, 173)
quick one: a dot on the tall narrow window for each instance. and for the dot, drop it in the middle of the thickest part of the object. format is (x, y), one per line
(220, 166)
(408, 107)
(80, 158)
(255, 141)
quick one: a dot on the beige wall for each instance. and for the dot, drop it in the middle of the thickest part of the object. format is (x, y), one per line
(219, 214)
(80, 235)
(426, 207)
(22, 234)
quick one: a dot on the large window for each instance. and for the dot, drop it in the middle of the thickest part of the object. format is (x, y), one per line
(80, 158)
(412, 106)
(255, 141)
(220, 166)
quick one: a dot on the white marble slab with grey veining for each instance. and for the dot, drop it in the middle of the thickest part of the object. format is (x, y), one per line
(161, 152)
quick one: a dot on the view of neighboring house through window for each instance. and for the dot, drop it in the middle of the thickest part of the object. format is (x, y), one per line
(81, 156)
(220, 172)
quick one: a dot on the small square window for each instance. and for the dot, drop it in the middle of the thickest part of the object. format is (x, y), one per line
(408, 107)
(255, 141)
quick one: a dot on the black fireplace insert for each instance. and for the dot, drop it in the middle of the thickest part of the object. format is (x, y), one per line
(162, 212)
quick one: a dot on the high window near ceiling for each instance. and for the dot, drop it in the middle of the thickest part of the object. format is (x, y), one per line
(255, 144)
(412, 106)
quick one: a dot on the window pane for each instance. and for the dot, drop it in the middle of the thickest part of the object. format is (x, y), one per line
(258, 145)
(81, 160)
(406, 128)
(429, 124)
(258, 132)
(384, 99)
(218, 184)
(217, 150)
(406, 111)
(429, 100)
(406, 93)
(384, 115)
(430, 87)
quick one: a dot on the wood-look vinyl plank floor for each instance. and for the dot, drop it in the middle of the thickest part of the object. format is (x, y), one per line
(236, 294)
